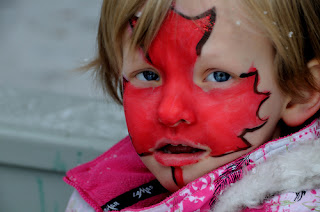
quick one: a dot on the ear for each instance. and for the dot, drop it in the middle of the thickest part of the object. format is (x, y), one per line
(297, 111)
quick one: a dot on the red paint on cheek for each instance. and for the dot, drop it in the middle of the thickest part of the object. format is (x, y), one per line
(231, 114)
(179, 111)
(219, 120)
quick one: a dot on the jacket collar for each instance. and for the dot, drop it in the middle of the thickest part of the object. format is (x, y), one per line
(204, 192)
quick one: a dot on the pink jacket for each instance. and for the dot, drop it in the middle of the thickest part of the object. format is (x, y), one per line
(281, 175)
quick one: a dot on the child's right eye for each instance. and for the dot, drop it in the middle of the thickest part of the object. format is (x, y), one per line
(148, 76)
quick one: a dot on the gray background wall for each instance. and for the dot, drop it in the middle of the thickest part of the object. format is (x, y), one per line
(51, 117)
(42, 41)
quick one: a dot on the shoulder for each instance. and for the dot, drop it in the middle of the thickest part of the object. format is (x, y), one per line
(120, 158)
(292, 202)
(77, 204)
(287, 173)
(116, 171)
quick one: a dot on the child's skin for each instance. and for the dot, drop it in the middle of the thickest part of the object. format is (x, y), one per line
(173, 102)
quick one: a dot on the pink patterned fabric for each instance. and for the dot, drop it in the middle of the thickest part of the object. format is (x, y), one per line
(96, 185)
(288, 202)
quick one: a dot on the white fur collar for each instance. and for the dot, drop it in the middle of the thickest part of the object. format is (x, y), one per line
(291, 171)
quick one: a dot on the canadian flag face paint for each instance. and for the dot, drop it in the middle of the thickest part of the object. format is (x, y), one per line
(179, 112)
(178, 123)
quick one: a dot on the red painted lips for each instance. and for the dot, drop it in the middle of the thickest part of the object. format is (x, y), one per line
(179, 155)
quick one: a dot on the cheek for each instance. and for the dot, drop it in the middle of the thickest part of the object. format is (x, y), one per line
(223, 117)
(223, 125)
(140, 106)
(228, 115)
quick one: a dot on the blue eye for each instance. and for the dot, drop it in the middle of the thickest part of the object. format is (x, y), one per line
(148, 76)
(218, 76)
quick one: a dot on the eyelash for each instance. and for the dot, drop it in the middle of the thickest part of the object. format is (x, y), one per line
(218, 76)
(148, 75)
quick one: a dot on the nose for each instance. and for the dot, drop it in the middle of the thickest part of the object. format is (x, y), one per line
(176, 107)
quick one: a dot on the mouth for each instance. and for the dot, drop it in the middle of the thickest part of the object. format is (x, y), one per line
(177, 155)
(179, 149)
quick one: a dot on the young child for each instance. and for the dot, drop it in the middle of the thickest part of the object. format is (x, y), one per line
(221, 100)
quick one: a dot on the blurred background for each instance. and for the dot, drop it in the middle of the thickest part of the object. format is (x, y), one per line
(52, 117)
(42, 41)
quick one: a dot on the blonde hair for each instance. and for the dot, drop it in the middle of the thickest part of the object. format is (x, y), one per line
(291, 25)
(114, 19)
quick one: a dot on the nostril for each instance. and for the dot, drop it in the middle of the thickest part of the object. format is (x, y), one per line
(174, 110)
(174, 124)
(185, 121)
(181, 122)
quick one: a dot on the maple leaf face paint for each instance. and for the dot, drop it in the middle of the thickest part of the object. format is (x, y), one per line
(179, 126)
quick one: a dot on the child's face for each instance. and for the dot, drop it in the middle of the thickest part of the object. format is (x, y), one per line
(197, 104)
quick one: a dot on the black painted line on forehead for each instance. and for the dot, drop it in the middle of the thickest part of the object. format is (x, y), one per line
(212, 18)
(211, 11)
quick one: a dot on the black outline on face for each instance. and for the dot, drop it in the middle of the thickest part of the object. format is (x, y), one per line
(249, 130)
(246, 130)
(211, 13)
(256, 83)
(207, 32)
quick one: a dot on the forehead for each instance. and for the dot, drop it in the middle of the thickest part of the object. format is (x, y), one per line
(233, 31)
(233, 9)
(232, 17)
(193, 8)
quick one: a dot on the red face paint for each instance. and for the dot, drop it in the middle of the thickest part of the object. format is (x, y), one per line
(178, 122)
(177, 176)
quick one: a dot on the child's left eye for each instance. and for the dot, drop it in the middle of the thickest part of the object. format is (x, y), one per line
(218, 76)
(148, 76)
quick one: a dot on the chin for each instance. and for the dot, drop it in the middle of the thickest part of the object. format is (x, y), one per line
(174, 178)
